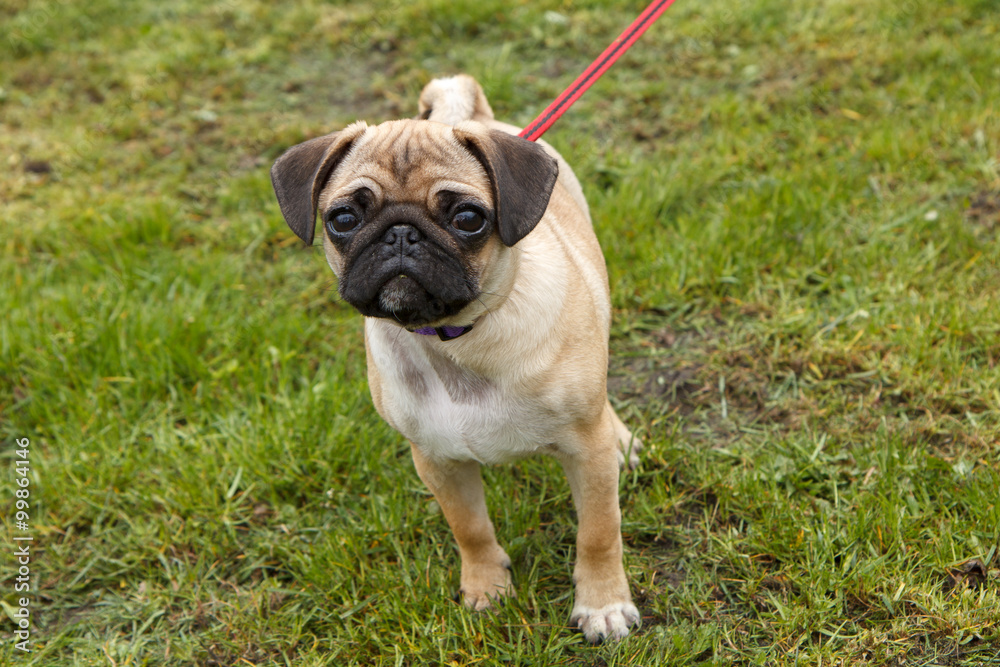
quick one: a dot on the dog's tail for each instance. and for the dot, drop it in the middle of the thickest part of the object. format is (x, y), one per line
(453, 100)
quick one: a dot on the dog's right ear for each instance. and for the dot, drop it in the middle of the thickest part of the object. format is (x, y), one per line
(298, 176)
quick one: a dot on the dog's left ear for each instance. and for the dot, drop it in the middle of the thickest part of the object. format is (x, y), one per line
(521, 173)
(298, 176)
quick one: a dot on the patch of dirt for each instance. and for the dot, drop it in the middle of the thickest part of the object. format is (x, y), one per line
(972, 574)
(646, 375)
(665, 582)
(720, 389)
(246, 652)
(38, 167)
(650, 379)
(696, 375)
(984, 212)
(915, 404)
(56, 620)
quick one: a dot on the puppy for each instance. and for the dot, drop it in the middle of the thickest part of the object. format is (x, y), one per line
(471, 254)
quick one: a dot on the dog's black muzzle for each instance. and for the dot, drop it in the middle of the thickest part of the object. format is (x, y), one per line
(405, 276)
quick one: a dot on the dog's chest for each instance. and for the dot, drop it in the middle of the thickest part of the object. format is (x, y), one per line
(452, 413)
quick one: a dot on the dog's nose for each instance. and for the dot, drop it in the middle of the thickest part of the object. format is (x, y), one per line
(403, 234)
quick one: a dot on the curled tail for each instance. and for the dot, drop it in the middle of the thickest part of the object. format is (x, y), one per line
(454, 100)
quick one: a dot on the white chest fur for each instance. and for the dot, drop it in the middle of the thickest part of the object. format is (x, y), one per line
(449, 411)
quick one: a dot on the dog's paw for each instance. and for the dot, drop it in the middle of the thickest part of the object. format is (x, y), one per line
(611, 621)
(484, 586)
(629, 447)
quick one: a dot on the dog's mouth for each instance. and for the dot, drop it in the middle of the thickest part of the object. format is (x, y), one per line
(404, 300)
(404, 295)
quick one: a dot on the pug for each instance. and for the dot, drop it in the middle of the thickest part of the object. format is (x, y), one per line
(471, 254)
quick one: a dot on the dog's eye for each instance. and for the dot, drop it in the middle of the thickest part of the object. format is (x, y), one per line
(341, 221)
(468, 220)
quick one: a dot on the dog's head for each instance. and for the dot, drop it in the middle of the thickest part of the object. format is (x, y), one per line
(418, 217)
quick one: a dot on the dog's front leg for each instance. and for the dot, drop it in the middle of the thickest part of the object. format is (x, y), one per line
(603, 607)
(458, 488)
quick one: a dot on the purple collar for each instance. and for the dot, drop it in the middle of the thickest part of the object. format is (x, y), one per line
(446, 332)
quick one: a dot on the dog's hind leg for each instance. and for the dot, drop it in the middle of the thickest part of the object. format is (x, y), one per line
(629, 445)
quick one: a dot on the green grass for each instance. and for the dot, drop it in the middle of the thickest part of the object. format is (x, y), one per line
(799, 203)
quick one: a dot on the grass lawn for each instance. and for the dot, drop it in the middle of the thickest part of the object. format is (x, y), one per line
(800, 207)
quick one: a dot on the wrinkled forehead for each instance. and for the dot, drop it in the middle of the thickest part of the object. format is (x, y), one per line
(411, 160)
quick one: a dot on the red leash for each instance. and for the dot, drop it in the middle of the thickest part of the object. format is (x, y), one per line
(625, 40)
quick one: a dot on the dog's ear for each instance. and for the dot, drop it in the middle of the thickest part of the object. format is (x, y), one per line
(298, 177)
(521, 173)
